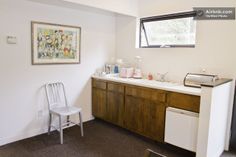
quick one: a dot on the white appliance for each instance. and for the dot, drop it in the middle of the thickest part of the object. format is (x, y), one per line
(181, 128)
(196, 80)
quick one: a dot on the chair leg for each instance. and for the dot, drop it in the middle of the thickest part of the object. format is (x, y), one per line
(61, 130)
(49, 123)
(68, 120)
(81, 124)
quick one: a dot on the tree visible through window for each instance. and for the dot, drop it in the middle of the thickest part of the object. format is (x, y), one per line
(175, 30)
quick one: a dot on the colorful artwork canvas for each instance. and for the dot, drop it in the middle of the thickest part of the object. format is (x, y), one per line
(55, 44)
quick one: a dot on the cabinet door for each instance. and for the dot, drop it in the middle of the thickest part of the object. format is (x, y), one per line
(115, 108)
(154, 120)
(99, 108)
(134, 114)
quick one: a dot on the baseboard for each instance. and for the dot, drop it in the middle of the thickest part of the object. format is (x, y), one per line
(22, 136)
(25, 135)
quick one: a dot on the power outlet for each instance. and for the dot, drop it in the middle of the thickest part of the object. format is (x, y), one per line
(11, 40)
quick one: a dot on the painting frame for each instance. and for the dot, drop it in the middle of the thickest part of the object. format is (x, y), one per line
(57, 55)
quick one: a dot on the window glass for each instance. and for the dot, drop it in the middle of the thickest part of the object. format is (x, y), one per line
(178, 32)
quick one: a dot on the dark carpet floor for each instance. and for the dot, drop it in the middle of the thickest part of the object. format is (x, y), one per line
(101, 140)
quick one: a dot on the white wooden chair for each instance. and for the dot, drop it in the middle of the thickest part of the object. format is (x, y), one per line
(57, 104)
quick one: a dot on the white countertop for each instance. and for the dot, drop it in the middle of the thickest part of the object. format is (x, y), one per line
(168, 86)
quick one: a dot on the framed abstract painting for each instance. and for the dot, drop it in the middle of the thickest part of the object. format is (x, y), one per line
(55, 44)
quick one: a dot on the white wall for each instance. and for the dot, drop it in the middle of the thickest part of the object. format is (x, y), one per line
(215, 44)
(128, 7)
(21, 93)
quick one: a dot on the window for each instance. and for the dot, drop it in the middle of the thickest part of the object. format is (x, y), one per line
(174, 30)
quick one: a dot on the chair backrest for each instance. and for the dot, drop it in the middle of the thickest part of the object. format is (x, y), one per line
(56, 95)
(150, 153)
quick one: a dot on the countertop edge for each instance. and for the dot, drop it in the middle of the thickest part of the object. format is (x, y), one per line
(153, 87)
(217, 82)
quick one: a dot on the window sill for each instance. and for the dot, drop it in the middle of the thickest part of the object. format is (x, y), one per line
(169, 46)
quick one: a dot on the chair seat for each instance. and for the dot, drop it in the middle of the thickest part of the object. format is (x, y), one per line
(65, 111)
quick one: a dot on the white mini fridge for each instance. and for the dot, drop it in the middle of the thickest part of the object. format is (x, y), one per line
(181, 128)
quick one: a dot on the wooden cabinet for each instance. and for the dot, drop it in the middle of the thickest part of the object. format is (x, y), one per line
(145, 117)
(145, 111)
(100, 84)
(154, 120)
(138, 109)
(184, 101)
(146, 93)
(115, 103)
(134, 114)
(99, 107)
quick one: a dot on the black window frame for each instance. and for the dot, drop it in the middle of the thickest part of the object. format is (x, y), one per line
(161, 18)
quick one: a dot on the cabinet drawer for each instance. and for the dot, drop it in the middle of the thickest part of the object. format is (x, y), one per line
(99, 84)
(115, 87)
(184, 101)
(146, 93)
